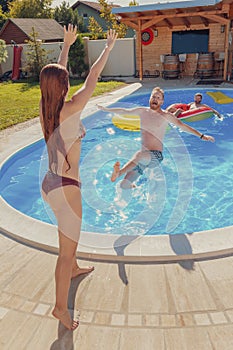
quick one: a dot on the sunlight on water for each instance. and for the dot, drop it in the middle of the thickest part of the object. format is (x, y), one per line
(191, 190)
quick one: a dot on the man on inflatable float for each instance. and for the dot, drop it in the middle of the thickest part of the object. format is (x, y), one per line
(153, 125)
(192, 111)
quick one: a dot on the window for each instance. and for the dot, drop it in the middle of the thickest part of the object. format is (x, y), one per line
(85, 15)
(190, 41)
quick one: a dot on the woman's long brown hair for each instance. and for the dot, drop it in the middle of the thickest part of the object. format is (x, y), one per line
(54, 83)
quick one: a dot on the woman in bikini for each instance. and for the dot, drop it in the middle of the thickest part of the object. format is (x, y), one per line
(63, 131)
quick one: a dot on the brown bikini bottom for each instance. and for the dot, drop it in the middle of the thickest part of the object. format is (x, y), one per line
(52, 181)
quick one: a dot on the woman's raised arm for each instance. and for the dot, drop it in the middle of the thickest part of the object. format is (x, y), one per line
(70, 36)
(81, 97)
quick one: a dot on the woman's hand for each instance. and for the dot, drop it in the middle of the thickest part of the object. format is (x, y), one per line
(70, 35)
(111, 38)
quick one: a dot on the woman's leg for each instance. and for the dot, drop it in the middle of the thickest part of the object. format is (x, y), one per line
(70, 220)
(67, 206)
(63, 273)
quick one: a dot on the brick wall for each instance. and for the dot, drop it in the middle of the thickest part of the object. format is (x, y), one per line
(161, 45)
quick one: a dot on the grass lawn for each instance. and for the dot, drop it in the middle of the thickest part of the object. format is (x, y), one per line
(19, 101)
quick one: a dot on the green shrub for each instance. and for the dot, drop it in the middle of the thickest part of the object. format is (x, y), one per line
(36, 56)
(76, 58)
(3, 51)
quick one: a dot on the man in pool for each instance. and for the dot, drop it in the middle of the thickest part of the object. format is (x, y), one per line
(192, 105)
(153, 124)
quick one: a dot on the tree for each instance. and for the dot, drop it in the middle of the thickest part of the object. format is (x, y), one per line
(30, 9)
(3, 53)
(5, 5)
(64, 15)
(3, 17)
(111, 19)
(133, 3)
(76, 58)
(95, 29)
(36, 56)
(78, 21)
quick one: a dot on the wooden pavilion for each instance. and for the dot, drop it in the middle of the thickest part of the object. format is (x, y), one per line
(166, 21)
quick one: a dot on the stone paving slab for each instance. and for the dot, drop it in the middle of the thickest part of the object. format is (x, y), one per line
(139, 314)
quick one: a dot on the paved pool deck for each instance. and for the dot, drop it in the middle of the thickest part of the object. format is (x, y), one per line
(145, 294)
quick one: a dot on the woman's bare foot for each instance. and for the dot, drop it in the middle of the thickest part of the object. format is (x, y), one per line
(65, 319)
(81, 271)
(116, 171)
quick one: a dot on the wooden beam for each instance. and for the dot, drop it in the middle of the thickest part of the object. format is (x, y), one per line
(132, 25)
(140, 50)
(186, 22)
(230, 66)
(226, 8)
(218, 19)
(227, 53)
(187, 14)
(178, 11)
(168, 23)
(204, 21)
(159, 13)
(231, 12)
(159, 18)
(152, 22)
(226, 50)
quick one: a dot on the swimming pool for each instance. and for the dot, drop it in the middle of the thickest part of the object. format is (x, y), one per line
(194, 179)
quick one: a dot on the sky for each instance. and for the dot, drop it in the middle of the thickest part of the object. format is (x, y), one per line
(117, 2)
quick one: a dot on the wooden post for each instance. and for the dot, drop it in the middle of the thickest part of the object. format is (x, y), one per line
(140, 50)
(230, 56)
(226, 51)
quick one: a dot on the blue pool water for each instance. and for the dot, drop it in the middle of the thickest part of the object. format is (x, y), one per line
(191, 191)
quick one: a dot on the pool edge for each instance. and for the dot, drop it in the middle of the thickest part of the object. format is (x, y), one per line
(116, 248)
